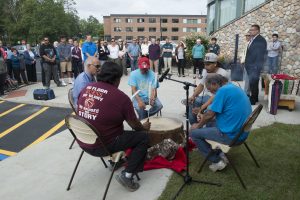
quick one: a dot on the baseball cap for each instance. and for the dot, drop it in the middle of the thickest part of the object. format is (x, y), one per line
(144, 60)
(210, 57)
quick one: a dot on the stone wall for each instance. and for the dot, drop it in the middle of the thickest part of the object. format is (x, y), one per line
(277, 15)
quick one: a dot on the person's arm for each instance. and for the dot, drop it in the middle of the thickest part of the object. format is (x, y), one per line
(276, 46)
(206, 117)
(138, 126)
(140, 102)
(95, 49)
(196, 93)
(204, 106)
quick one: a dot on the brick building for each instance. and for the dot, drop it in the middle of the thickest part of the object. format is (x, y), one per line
(175, 27)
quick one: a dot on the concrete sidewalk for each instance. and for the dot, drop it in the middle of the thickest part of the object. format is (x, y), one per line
(43, 171)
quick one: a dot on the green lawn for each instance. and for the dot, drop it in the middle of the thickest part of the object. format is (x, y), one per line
(277, 149)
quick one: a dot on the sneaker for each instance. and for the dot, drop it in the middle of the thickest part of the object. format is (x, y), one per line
(63, 83)
(183, 75)
(128, 183)
(194, 77)
(217, 166)
(223, 157)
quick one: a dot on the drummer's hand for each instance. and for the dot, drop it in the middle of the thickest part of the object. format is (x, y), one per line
(199, 116)
(147, 125)
(194, 126)
(195, 110)
(192, 99)
(152, 101)
(142, 105)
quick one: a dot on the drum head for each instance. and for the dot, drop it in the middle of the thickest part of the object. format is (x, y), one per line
(163, 123)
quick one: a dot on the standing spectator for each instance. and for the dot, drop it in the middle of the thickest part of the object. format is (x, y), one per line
(9, 63)
(18, 67)
(103, 52)
(65, 55)
(30, 61)
(3, 54)
(134, 51)
(161, 60)
(76, 59)
(113, 52)
(122, 56)
(3, 74)
(47, 52)
(89, 48)
(254, 60)
(198, 54)
(167, 53)
(243, 56)
(71, 42)
(213, 47)
(154, 54)
(180, 58)
(273, 54)
(145, 48)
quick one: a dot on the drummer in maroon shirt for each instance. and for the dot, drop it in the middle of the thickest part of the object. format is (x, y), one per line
(106, 107)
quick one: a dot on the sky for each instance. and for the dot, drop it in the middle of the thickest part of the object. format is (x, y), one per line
(100, 8)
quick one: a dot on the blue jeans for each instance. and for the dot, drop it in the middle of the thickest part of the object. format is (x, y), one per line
(210, 133)
(273, 65)
(199, 101)
(134, 63)
(247, 85)
(144, 113)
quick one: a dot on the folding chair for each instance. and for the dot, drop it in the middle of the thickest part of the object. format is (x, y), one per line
(235, 143)
(71, 101)
(83, 131)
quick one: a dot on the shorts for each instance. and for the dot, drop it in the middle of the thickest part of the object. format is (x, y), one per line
(65, 67)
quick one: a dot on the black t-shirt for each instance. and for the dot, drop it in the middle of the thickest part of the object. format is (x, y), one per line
(47, 50)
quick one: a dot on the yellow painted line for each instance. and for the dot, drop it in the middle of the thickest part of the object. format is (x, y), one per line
(10, 110)
(7, 153)
(2, 101)
(48, 133)
(4, 133)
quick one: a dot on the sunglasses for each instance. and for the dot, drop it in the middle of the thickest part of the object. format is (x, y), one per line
(97, 66)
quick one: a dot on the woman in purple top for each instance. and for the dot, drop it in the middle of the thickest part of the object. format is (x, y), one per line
(76, 59)
(154, 54)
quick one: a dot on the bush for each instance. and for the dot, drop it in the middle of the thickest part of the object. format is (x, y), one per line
(190, 41)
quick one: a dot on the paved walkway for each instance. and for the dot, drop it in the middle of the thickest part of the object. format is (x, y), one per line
(43, 171)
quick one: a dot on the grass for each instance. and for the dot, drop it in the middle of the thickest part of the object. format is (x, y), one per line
(277, 149)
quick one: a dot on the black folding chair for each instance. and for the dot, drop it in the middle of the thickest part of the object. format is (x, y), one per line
(235, 143)
(83, 131)
(71, 101)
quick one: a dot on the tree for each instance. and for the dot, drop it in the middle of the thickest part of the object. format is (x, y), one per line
(91, 26)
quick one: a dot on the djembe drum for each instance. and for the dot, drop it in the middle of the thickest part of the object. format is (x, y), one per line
(165, 128)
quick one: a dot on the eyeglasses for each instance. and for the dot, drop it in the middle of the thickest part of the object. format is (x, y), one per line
(97, 66)
(209, 63)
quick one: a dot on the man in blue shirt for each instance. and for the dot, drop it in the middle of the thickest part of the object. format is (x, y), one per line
(167, 50)
(134, 51)
(144, 81)
(91, 66)
(89, 48)
(231, 108)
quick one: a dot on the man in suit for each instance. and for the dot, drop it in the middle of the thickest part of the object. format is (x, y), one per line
(254, 60)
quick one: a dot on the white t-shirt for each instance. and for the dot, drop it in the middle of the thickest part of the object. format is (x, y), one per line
(113, 51)
(145, 49)
(220, 71)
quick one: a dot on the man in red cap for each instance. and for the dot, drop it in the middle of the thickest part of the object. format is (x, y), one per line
(145, 81)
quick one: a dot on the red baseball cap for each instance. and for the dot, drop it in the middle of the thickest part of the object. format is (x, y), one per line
(144, 63)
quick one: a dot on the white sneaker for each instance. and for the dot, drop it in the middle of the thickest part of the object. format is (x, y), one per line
(223, 157)
(63, 83)
(217, 166)
(70, 81)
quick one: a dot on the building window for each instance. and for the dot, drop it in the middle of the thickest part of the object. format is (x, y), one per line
(117, 29)
(190, 30)
(129, 29)
(175, 29)
(140, 20)
(211, 18)
(249, 4)
(129, 38)
(164, 29)
(152, 29)
(164, 20)
(129, 20)
(140, 29)
(175, 21)
(152, 20)
(190, 21)
(228, 11)
(174, 38)
(117, 20)
(164, 37)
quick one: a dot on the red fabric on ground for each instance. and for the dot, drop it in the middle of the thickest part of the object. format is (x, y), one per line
(178, 164)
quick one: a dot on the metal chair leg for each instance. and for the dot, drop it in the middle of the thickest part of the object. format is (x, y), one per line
(104, 163)
(72, 144)
(73, 174)
(251, 154)
(137, 177)
(236, 172)
(108, 184)
(206, 158)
